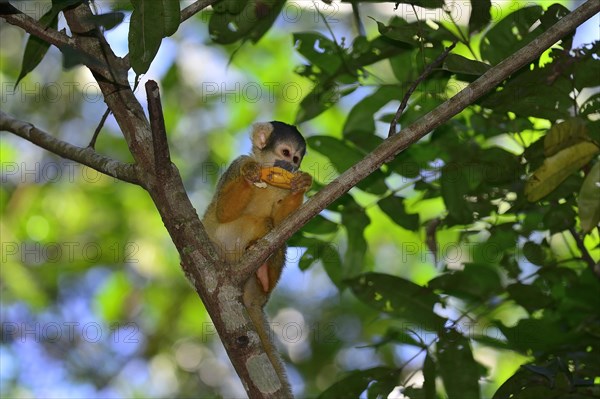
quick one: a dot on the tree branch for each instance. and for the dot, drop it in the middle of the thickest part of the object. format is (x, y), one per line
(195, 8)
(392, 146)
(86, 156)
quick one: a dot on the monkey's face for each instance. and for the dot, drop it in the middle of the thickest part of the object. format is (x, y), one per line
(286, 155)
(278, 144)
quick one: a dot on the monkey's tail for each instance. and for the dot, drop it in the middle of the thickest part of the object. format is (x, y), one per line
(259, 320)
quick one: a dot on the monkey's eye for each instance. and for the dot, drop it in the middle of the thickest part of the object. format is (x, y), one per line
(295, 159)
(286, 152)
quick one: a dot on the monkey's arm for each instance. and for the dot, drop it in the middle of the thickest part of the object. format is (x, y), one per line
(299, 185)
(236, 189)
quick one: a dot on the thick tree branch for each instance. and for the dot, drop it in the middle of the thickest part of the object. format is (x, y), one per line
(395, 144)
(86, 156)
(199, 260)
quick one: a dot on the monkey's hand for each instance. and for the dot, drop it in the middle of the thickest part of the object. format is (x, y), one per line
(301, 182)
(250, 170)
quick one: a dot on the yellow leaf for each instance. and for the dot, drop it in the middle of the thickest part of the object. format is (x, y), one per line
(589, 200)
(563, 135)
(557, 168)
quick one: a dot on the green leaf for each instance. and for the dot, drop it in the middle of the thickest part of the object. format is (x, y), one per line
(319, 50)
(557, 168)
(398, 30)
(395, 209)
(361, 116)
(588, 200)
(477, 282)
(319, 100)
(480, 15)
(108, 20)
(146, 31)
(355, 220)
(456, 366)
(456, 182)
(591, 105)
(527, 335)
(429, 375)
(36, 48)
(343, 155)
(150, 22)
(340, 153)
(320, 225)
(458, 64)
(251, 23)
(230, 6)
(317, 250)
(510, 34)
(171, 16)
(398, 297)
(528, 296)
(353, 385)
(534, 253)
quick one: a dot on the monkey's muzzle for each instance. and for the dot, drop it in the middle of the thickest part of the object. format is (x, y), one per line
(285, 165)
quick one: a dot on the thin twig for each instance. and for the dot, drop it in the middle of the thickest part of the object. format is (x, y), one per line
(414, 85)
(356, 14)
(92, 143)
(585, 255)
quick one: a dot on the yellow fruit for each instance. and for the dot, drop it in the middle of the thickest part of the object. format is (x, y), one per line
(276, 176)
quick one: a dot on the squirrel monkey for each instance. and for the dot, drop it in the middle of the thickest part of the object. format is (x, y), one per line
(254, 195)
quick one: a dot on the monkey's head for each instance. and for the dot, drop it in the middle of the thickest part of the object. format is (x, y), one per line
(278, 144)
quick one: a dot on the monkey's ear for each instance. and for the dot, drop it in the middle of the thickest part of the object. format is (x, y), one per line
(260, 134)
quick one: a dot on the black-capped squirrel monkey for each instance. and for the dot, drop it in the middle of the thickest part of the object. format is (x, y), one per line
(254, 195)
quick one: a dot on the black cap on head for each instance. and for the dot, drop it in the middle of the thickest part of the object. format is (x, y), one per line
(288, 133)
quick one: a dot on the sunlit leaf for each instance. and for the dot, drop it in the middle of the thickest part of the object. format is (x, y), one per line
(563, 135)
(557, 168)
(588, 200)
